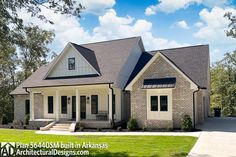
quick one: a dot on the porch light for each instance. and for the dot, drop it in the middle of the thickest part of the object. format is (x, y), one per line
(87, 100)
(68, 100)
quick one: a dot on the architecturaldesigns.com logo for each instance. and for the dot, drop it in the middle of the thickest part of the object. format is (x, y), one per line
(7, 148)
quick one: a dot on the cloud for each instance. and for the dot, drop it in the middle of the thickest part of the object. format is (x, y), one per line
(215, 25)
(170, 6)
(110, 26)
(97, 6)
(198, 24)
(182, 24)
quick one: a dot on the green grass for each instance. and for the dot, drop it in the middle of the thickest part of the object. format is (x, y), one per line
(123, 146)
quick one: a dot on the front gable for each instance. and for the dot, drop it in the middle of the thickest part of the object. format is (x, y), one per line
(80, 65)
(162, 72)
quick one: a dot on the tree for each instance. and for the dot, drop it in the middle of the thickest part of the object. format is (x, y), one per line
(232, 26)
(32, 42)
(23, 49)
(223, 84)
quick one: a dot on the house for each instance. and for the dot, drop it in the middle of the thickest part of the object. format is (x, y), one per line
(105, 83)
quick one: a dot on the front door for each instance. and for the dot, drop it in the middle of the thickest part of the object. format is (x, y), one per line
(73, 107)
(82, 107)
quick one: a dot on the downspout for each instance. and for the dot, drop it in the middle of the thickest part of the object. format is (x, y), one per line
(194, 106)
(194, 103)
(112, 117)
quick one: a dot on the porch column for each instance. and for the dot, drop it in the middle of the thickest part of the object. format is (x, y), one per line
(57, 107)
(110, 104)
(31, 105)
(77, 106)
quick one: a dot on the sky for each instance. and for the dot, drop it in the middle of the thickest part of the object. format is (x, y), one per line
(161, 23)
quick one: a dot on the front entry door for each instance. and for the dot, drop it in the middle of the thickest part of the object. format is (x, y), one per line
(73, 107)
(82, 107)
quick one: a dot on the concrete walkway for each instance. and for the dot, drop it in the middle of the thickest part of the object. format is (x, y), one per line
(194, 134)
(218, 139)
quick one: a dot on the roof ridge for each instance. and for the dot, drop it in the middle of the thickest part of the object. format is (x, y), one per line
(179, 47)
(80, 46)
(110, 40)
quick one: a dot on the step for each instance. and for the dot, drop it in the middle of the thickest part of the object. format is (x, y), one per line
(59, 129)
(62, 124)
(63, 127)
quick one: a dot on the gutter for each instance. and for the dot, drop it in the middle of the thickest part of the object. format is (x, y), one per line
(112, 117)
(194, 103)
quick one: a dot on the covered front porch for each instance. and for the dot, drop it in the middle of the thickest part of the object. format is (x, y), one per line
(89, 105)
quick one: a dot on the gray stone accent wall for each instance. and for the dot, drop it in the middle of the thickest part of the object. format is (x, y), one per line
(181, 96)
(19, 106)
(38, 106)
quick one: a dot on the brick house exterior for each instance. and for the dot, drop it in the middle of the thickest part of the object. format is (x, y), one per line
(117, 80)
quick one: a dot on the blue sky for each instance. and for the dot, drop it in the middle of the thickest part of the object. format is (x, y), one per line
(161, 23)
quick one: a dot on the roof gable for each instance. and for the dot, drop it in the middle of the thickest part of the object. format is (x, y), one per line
(85, 63)
(192, 61)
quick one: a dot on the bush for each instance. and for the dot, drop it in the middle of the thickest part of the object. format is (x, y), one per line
(144, 129)
(99, 129)
(4, 119)
(81, 128)
(132, 124)
(17, 122)
(26, 119)
(187, 124)
(119, 128)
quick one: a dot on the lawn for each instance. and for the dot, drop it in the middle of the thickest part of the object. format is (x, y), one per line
(123, 146)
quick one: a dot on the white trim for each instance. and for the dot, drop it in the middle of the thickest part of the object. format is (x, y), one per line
(159, 115)
(129, 87)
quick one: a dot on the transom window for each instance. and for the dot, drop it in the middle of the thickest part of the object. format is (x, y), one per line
(159, 103)
(71, 63)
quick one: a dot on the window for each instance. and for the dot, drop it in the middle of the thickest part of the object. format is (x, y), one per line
(64, 104)
(163, 103)
(27, 107)
(71, 63)
(154, 103)
(50, 104)
(94, 104)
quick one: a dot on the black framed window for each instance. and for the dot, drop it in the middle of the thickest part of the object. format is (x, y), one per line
(64, 104)
(71, 63)
(50, 104)
(94, 104)
(114, 104)
(27, 107)
(164, 103)
(154, 103)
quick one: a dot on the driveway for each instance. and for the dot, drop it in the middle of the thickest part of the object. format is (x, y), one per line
(218, 139)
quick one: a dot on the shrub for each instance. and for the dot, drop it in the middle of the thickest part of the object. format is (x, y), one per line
(81, 128)
(186, 124)
(144, 129)
(17, 122)
(99, 129)
(26, 119)
(4, 119)
(132, 124)
(119, 128)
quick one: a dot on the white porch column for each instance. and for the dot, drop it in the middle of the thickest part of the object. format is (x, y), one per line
(31, 105)
(57, 107)
(110, 104)
(77, 108)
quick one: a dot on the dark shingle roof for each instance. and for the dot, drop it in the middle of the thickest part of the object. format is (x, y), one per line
(89, 55)
(111, 57)
(193, 61)
(152, 83)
